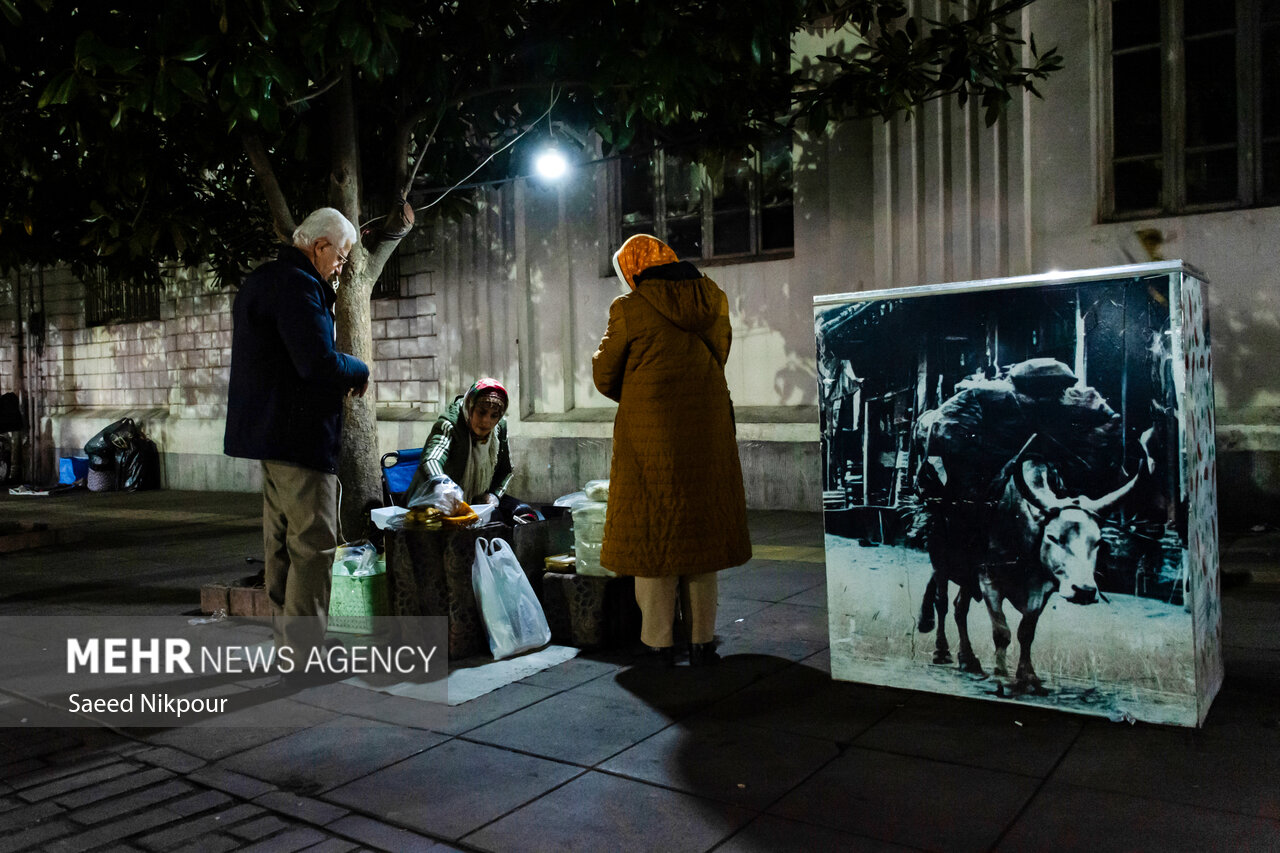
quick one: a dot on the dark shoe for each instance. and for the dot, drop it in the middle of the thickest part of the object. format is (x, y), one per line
(703, 654)
(666, 656)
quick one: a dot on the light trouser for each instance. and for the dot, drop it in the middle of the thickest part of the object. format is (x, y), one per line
(299, 535)
(657, 600)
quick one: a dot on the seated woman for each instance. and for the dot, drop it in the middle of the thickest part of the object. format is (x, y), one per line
(468, 444)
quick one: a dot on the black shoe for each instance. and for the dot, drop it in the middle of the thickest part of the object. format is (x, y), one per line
(703, 654)
(666, 656)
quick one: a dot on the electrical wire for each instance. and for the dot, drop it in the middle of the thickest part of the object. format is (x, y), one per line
(547, 115)
(462, 184)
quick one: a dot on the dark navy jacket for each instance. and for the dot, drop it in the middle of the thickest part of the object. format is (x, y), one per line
(288, 381)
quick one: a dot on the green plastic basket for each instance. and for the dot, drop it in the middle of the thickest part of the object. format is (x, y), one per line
(354, 601)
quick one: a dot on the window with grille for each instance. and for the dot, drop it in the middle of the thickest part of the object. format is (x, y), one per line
(738, 208)
(108, 299)
(1194, 105)
(388, 284)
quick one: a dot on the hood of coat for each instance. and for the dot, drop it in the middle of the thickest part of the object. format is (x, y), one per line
(639, 253)
(682, 294)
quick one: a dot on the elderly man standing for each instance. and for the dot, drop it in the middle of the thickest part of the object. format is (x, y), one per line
(284, 407)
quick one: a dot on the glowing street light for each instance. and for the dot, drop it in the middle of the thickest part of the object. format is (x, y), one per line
(551, 164)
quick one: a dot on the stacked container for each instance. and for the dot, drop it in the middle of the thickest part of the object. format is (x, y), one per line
(588, 528)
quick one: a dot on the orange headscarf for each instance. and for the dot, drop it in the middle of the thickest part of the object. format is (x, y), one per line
(639, 253)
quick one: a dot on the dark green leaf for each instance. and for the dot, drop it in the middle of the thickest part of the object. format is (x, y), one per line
(197, 50)
(361, 47)
(187, 82)
(59, 90)
(641, 72)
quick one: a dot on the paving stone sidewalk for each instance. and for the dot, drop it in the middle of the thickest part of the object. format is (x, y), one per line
(765, 752)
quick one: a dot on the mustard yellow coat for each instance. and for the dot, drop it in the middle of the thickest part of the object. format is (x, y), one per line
(676, 502)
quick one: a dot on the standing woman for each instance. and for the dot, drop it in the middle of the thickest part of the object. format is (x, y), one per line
(676, 513)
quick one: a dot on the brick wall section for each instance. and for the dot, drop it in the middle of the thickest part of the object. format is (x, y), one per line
(114, 367)
(405, 342)
(136, 367)
(197, 325)
(177, 367)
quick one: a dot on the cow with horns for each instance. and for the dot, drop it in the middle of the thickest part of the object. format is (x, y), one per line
(1009, 534)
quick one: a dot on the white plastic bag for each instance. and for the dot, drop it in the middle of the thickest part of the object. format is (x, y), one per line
(356, 559)
(512, 616)
(439, 492)
(484, 513)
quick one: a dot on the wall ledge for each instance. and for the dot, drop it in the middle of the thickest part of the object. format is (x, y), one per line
(111, 413)
(744, 414)
(400, 414)
(1248, 437)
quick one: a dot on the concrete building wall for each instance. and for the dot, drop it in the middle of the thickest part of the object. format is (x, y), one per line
(956, 201)
(521, 288)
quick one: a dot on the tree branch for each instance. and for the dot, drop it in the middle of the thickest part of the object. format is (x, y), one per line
(407, 184)
(266, 175)
(400, 152)
(344, 172)
(324, 87)
(383, 249)
(540, 84)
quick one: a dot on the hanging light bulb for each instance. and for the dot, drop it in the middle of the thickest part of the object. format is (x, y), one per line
(551, 164)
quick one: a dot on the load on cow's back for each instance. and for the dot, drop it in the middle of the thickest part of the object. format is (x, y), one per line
(962, 446)
(1014, 476)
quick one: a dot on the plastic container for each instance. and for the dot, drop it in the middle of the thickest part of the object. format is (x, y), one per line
(570, 500)
(72, 469)
(588, 538)
(596, 490)
(383, 515)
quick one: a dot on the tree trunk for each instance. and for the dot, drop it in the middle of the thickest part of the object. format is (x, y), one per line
(358, 464)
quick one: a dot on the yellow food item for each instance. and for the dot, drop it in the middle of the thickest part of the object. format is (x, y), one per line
(424, 516)
(465, 517)
(563, 563)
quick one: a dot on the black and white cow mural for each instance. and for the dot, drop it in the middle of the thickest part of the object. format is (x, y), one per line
(1019, 493)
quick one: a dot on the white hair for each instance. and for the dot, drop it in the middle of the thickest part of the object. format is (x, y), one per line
(325, 223)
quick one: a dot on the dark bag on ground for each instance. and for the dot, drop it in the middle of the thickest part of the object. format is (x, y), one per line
(110, 441)
(139, 465)
(11, 419)
(124, 458)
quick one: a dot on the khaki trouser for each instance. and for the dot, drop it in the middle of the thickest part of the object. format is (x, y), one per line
(657, 600)
(299, 534)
